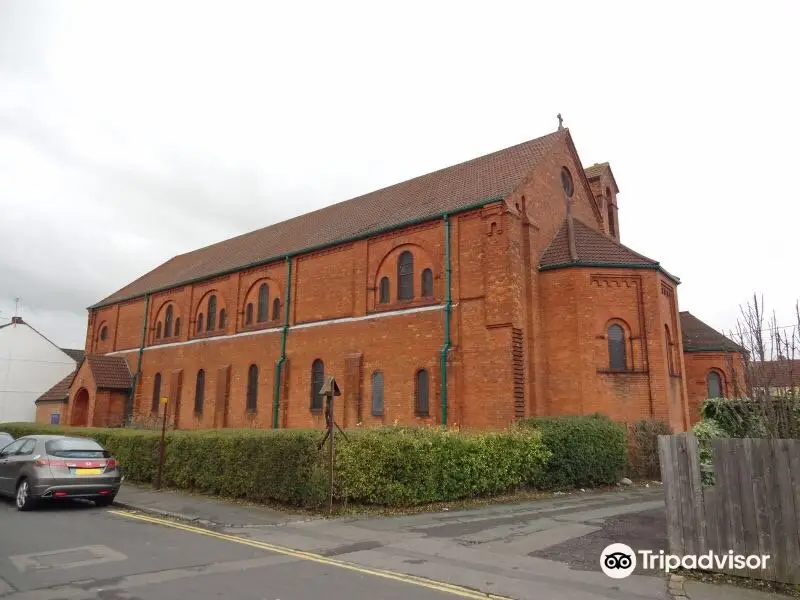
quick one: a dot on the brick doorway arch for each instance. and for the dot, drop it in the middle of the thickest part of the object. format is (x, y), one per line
(80, 409)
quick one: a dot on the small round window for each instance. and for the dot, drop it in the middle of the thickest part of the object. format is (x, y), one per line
(566, 182)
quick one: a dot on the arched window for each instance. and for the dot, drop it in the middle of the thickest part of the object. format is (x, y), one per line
(670, 357)
(156, 392)
(263, 302)
(177, 327)
(714, 381)
(168, 322)
(384, 290)
(223, 318)
(617, 354)
(427, 283)
(610, 210)
(317, 379)
(276, 309)
(211, 324)
(248, 314)
(405, 276)
(377, 394)
(252, 389)
(104, 333)
(566, 182)
(158, 330)
(199, 392)
(200, 323)
(421, 391)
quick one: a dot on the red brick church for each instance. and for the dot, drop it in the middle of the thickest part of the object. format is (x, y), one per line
(474, 295)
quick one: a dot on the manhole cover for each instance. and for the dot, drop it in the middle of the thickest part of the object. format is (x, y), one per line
(66, 559)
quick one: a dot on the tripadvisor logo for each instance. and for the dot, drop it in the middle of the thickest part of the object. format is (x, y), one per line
(619, 561)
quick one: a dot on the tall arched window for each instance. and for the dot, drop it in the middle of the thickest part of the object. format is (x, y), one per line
(263, 302)
(168, 322)
(384, 290)
(156, 392)
(223, 318)
(199, 392)
(427, 283)
(377, 394)
(248, 314)
(317, 379)
(617, 354)
(104, 333)
(252, 388)
(714, 381)
(405, 276)
(211, 324)
(200, 323)
(670, 357)
(610, 210)
(158, 330)
(276, 309)
(421, 393)
(177, 327)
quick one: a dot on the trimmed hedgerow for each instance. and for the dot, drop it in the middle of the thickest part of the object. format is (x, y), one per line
(407, 466)
(587, 451)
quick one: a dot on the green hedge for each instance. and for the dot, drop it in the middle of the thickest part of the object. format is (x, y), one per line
(406, 466)
(643, 448)
(587, 451)
(390, 466)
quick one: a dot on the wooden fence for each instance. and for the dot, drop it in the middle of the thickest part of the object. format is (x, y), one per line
(753, 507)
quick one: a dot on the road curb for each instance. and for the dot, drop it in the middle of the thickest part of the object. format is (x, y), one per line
(161, 513)
(675, 587)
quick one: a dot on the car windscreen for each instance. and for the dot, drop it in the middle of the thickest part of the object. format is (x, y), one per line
(75, 448)
(5, 440)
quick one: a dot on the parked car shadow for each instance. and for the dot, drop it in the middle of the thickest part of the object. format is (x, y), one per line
(66, 504)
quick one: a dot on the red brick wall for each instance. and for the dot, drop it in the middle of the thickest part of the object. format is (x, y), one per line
(698, 364)
(45, 409)
(523, 343)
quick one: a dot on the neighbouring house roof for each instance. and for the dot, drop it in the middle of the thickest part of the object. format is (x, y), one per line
(592, 248)
(76, 355)
(776, 373)
(109, 372)
(701, 337)
(59, 392)
(456, 188)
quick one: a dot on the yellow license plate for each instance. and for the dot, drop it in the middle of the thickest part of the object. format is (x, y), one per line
(88, 471)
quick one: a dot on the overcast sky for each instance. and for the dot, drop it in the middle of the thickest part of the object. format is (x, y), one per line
(131, 132)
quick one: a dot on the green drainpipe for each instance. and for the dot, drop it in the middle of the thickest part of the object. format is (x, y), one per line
(279, 366)
(448, 308)
(129, 408)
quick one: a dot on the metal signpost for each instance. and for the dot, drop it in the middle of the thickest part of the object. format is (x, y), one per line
(329, 390)
(157, 483)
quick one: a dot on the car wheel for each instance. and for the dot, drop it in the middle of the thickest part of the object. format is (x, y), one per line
(104, 501)
(24, 500)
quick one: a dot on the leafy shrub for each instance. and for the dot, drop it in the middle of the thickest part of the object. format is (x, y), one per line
(643, 448)
(705, 431)
(587, 451)
(406, 466)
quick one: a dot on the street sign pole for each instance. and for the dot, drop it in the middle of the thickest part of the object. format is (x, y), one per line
(157, 484)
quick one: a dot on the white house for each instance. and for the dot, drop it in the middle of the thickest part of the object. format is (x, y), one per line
(30, 364)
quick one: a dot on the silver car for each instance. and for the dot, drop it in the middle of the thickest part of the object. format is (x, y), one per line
(50, 467)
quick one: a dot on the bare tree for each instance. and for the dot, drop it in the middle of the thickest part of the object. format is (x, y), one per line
(772, 372)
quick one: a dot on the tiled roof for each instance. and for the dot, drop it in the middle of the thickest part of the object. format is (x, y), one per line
(595, 170)
(109, 372)
(447, 190)
(76, 355)
(699, 336)
(59, 392)
(592, 248)
(776, 373)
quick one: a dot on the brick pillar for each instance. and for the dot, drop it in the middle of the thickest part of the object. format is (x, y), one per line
(352, 390)
(223, 396)
(175, 389)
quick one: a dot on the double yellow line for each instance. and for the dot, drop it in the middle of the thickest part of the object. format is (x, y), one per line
(318, 558)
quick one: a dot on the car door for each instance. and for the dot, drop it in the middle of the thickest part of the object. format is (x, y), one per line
(6, 455)
(22, 457)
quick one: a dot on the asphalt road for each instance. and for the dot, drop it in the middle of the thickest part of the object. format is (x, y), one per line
(80, 552)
